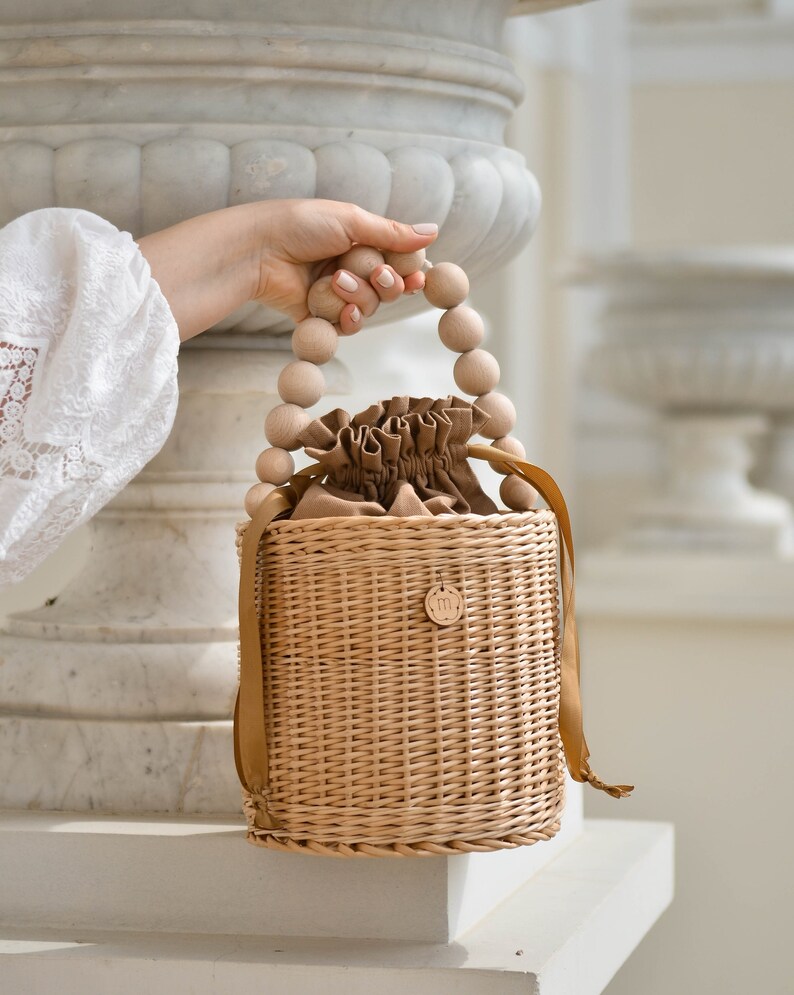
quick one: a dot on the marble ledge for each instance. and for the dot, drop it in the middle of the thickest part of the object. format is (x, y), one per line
(615, 583)
(199, 875)
(566, 932)
(63, 763)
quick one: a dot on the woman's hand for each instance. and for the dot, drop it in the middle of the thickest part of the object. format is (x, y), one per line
(272, 252)
(302, 238)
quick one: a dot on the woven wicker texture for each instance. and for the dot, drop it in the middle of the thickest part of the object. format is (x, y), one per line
(388, 734)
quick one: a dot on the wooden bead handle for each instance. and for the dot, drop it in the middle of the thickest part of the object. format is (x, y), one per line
(315, 340)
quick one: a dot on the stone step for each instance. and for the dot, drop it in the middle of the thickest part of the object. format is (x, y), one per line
(565, 932)
(198, 875)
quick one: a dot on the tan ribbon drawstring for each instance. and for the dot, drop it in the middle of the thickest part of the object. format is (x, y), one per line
(250, 737)
(577, 754)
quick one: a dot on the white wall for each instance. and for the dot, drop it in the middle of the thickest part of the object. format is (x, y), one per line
(712, 153)
(696, 710)
(698, 714)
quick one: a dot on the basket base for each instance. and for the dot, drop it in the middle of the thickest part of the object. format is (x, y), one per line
(421, 849)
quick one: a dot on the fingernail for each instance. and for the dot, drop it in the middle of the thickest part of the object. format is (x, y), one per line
(426, 229)
(355, 314)
(385, 279)
(347, 282)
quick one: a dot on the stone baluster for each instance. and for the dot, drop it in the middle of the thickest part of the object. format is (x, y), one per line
(705, 339)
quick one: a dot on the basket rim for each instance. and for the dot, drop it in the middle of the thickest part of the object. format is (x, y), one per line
(432, 521)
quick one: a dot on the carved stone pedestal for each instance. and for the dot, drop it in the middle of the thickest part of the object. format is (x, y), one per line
(707, 339)
(707, 501)
(118, 695)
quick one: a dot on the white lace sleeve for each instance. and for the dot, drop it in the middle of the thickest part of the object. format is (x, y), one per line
(88, 363)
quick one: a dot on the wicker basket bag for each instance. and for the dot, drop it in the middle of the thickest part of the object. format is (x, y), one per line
(405, 689)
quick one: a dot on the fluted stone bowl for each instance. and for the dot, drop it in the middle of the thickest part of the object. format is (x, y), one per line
(154, 112)
(697, 331)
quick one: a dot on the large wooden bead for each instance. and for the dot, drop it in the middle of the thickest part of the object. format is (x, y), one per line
(461, 329)
(406, 263)
(502, 414)
(361, 260)
(476, 372)
(301, 383)
(509, 445)
(275, 466)
(323, 301)
(446, 285)
(255, 496)
(315, 340)
(284, 425)
(517, 494)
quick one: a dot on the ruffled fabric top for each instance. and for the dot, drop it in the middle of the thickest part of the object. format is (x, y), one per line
(402, 457)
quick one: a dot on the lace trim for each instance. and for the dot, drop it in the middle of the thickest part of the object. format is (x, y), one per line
(88, 368)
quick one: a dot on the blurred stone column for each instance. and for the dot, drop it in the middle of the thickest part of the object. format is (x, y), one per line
(118, 696)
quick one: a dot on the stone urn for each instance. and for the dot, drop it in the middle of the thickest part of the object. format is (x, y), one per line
(118, 696)
(184, 107)
(707, 339)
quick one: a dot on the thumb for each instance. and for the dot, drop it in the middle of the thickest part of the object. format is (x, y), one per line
(387, 235)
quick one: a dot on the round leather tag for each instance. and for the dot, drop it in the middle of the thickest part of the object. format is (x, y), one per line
(444, 604)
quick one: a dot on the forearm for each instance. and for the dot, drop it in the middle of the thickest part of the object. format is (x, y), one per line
(207, 266)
